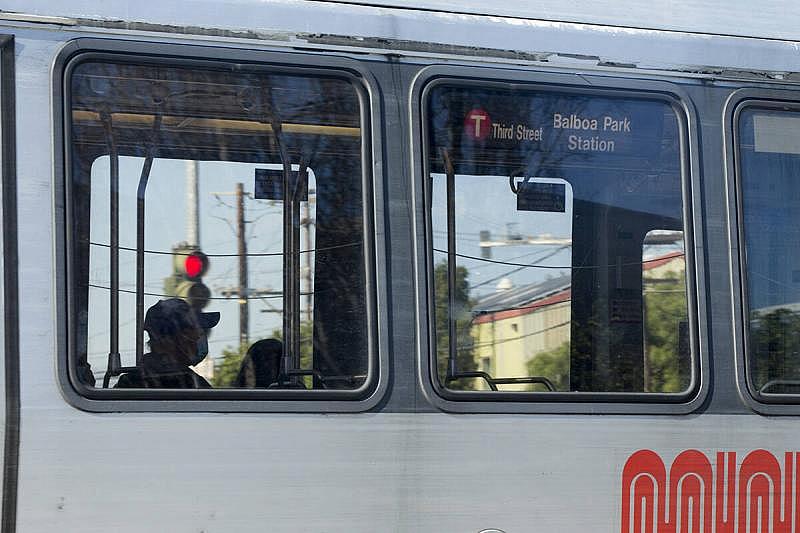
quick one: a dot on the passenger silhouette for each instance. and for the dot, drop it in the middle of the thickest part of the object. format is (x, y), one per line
(261, 365)
(177, 333)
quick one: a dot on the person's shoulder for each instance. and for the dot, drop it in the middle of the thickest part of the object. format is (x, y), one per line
(156, 363)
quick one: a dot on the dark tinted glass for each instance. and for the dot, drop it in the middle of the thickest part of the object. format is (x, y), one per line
(558, 246)
(768, 170)
(236, 191)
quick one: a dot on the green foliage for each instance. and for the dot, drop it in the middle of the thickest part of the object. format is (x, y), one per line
(775, 349)
(465, 353)
(665, 310)
(553, 365)
(667, 369)
(226, 368)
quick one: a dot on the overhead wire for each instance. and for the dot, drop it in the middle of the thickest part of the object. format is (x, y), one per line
(561, 267)
(254, 254)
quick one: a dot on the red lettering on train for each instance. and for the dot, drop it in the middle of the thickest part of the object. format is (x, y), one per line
(698, 497)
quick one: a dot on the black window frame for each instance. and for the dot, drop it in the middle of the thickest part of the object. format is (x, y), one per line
(10, 281)
(568, 402)
(739, 101)
(366, 397)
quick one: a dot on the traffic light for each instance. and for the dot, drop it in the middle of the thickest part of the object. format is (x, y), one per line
(189, 265)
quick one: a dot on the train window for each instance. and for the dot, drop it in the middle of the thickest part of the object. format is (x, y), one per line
(217, 235)
(768, 162)
(557, 260)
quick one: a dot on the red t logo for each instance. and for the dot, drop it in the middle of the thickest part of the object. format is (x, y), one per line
(477, 124)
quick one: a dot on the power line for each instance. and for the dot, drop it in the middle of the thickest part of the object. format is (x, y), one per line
(481, 267)
(517, 269)
(257, 254)
(565, 267)
(501, 341)
(158, 295)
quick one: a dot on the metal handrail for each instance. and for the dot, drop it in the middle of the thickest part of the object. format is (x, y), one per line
(494, 382)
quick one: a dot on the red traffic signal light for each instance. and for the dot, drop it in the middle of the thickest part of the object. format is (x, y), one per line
(195, 265)
(188, 267)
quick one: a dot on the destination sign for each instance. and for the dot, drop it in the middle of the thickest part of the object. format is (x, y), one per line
(479, 124)
(589, 133)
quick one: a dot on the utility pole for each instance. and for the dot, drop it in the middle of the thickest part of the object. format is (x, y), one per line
(306, 222)
(240, 237)
(242, 291)
(192, 210)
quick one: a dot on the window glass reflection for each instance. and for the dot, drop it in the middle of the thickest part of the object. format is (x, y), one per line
(204, 192)
(558, 245)
(768, 166)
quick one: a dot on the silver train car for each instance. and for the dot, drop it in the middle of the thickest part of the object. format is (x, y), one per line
(420, 266)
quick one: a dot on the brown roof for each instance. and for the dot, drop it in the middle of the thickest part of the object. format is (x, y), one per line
(559, 297)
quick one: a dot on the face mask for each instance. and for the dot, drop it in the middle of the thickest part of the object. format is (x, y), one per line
(202, 349)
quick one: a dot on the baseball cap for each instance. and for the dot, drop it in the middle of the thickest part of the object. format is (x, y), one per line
(168, 317)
